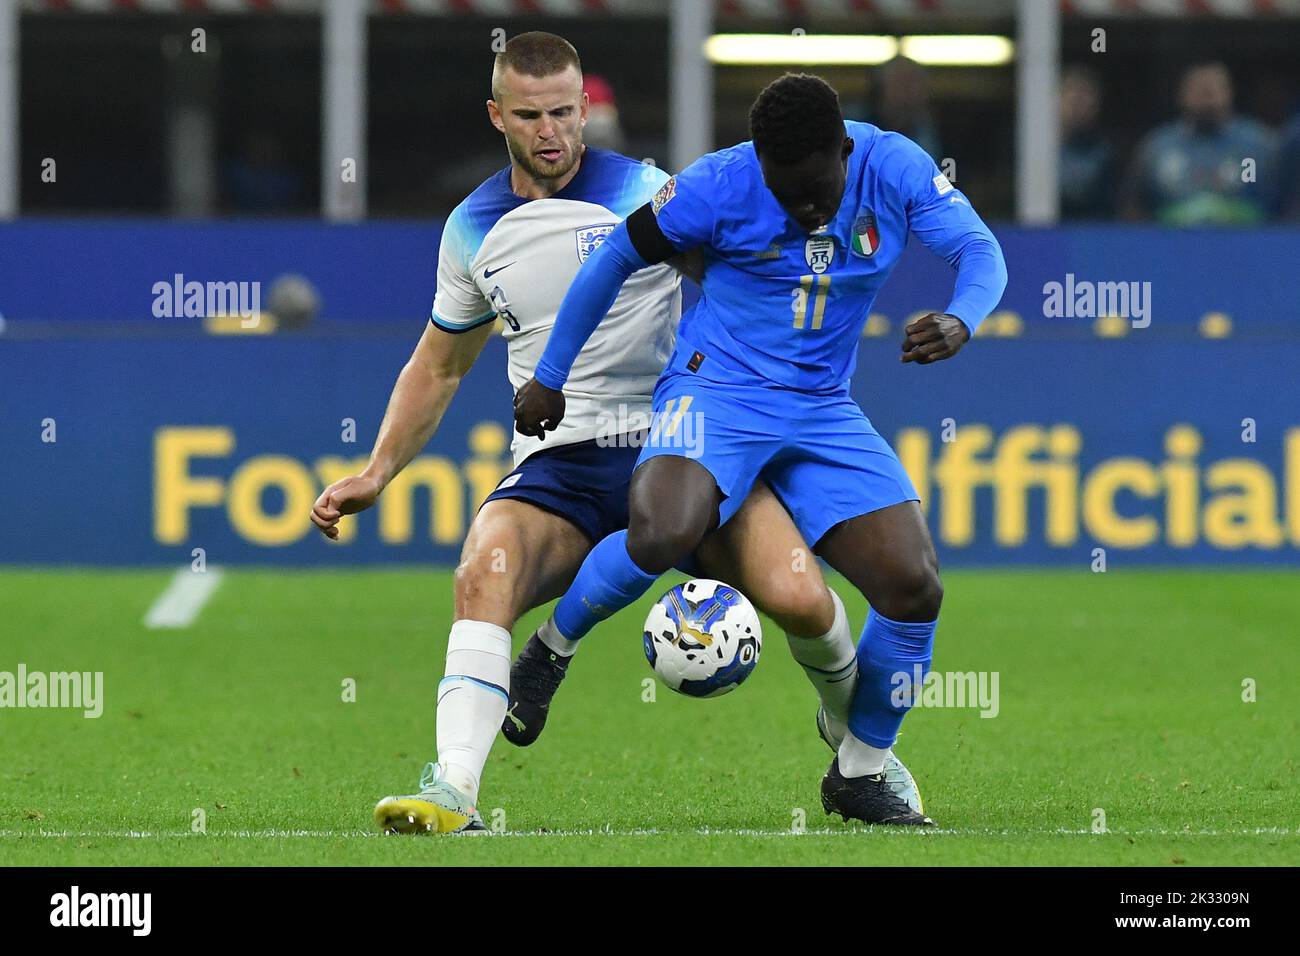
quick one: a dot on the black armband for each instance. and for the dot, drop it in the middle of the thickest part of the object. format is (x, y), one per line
(647, 238)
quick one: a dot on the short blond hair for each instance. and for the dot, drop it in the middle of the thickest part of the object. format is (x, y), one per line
(534, 54)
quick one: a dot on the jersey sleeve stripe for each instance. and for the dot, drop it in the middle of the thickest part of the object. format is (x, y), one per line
(455, 329)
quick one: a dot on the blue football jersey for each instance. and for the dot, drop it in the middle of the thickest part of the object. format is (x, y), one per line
(784, 307)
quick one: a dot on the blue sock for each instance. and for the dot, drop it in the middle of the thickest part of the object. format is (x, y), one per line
(608, 581)
(888, 649)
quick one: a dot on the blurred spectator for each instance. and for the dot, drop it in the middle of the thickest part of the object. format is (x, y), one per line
(294, 302)
(261, 179)
(603, 129)
(901, 102)
(1288, 193)
(1087, 158)
(1190, 172)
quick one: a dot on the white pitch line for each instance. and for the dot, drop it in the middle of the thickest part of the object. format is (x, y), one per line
(271, 834)
(184, 598)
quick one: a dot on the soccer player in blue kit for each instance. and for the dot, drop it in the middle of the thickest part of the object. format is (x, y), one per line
(800, 228)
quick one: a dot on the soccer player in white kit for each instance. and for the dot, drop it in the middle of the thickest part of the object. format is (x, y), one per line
(510, 251)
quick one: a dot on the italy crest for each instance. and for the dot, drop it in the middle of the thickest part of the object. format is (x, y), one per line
(866, 237)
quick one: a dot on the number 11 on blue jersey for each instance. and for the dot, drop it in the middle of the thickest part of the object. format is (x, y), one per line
(800, 304)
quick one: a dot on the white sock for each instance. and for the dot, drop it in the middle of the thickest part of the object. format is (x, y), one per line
(472, 700)
(831, 663)
(858, 759)
(550, 635)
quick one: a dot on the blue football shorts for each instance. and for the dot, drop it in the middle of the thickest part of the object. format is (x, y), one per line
(819, 453)
(585, 482)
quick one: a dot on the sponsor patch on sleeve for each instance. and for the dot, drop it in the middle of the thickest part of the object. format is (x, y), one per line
(941, 183)
(665, 194)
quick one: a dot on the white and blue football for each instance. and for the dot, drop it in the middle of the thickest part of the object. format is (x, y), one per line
(703, 638)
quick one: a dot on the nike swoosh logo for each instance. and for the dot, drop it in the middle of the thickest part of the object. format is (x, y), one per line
(489, 273)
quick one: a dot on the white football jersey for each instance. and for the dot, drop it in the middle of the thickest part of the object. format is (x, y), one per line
(513, 258)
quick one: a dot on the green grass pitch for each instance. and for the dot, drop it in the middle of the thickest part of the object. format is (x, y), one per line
(1119, 691)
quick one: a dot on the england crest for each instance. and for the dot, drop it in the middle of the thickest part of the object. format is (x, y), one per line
(866, 237)
(589, 237)
(818, 253)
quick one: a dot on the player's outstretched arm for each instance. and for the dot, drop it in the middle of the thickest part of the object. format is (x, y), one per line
(423, 391)
(679, 218)
(943, 219)
(981, 279)
(539, 404)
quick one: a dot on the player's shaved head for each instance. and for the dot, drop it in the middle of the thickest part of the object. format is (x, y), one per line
(802, 147)
(535, 54)
(540, 108)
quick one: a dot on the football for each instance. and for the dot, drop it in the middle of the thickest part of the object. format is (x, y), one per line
(703, 638)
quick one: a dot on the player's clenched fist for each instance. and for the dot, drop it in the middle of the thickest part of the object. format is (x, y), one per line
(346, 497)
(933, 337)
(538, 409)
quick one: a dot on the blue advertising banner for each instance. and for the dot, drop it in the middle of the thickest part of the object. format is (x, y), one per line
(137, 452)
(110, 271)
(1039, 444)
